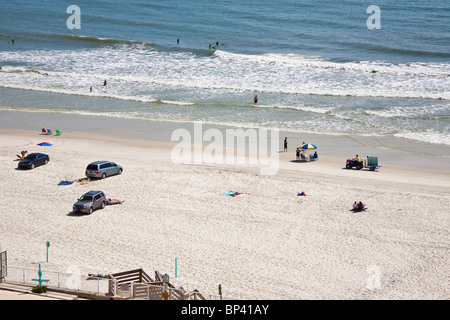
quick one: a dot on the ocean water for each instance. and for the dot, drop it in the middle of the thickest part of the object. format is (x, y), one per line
(315, 66)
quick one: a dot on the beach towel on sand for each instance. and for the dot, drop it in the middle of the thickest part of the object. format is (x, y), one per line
(65, 183)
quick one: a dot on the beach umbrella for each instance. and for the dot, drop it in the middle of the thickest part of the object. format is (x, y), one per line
(44, 144)
(308, 146)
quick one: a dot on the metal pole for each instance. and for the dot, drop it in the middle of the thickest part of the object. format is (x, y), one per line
(48, 245)
(176, 267)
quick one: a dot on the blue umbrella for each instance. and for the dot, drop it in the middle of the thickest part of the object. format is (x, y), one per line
(44, 144)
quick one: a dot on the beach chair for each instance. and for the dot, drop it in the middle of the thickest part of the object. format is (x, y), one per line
(58, 133)
(44, 130)
(22, 155)
(49, 131)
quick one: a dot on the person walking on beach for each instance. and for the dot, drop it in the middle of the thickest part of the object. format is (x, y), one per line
(297, 153)
(285, 144)
(255, 99)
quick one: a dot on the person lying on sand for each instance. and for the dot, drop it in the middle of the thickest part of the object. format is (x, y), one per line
(83, 180)
(107, 276)
(234, 193)
(239, 194)
(114, 201)
(23, 153)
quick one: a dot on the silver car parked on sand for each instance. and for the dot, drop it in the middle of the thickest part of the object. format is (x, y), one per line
(103, 169)
(89, 202)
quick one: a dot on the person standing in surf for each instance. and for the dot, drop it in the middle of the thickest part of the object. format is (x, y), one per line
(255, 99)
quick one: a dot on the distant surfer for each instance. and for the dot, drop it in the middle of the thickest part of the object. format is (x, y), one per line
(104, 83)
(178, 41)
(90, 89)
(255, 99)
(12, 41)
(217, 43)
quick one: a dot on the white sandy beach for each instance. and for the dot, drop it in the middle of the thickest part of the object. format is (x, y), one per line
(271, 244)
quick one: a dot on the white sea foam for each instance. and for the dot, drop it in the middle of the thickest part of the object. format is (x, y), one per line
(143, 74)
(180, 103)
(434, 111)
(428, 136)
(269, 73)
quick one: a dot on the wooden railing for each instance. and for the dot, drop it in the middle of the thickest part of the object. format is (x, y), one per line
(138, 284)
(137, 275)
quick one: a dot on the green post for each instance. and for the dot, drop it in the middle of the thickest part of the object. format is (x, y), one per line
(40, 280)
(176, 267)
(48, 245)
